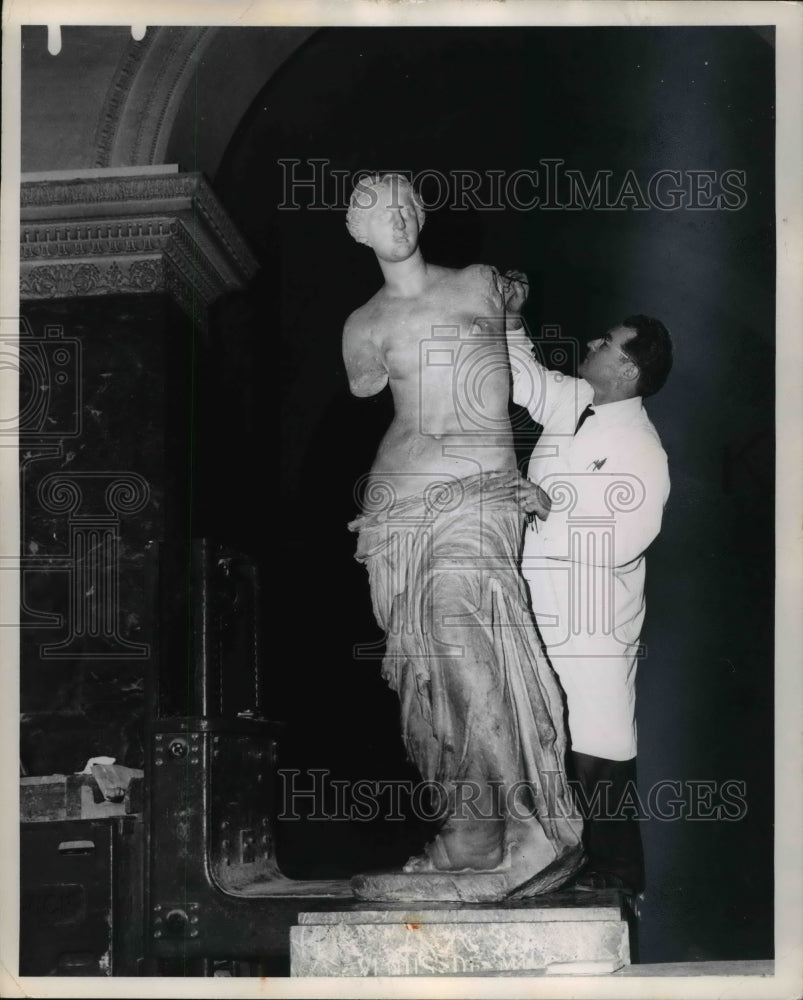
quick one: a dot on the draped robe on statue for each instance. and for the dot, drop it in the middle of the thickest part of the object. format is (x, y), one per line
(481, 710)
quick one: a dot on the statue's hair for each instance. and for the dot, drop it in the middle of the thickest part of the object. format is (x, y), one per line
(364, 198)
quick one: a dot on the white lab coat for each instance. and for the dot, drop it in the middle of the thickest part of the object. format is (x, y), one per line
(585, 565)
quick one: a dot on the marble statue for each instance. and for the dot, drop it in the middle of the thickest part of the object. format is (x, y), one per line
(440, 532)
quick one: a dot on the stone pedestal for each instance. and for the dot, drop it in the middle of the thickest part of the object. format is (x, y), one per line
(570, 932)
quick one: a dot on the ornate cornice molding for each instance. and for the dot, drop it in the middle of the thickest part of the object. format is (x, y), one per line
(141, 234)
(58, 280)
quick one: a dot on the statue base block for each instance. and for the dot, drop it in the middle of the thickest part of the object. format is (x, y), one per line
(568, 932)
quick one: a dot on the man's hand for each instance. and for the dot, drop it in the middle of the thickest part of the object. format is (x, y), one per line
(534, 501)
(514, 288)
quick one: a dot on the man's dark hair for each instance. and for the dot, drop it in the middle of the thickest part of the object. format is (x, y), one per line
(651, 349)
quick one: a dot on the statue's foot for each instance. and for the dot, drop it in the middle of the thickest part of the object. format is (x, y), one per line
(461, 847)
(421, 863)
(434, 858)
(438, 874)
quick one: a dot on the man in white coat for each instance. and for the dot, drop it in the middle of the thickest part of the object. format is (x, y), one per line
(601, 461)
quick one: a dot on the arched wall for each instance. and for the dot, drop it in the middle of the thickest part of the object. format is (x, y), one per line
(176, 96)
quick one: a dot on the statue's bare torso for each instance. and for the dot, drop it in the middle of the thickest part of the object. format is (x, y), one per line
(442, 350)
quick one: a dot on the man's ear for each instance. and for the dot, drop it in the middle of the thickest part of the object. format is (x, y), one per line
(630, 372)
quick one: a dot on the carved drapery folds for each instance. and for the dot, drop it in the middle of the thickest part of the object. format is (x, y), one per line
(143, 233)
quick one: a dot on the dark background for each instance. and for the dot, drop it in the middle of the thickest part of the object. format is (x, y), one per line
(282, 444)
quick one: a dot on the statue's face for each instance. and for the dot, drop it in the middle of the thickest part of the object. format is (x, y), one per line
(392, 227)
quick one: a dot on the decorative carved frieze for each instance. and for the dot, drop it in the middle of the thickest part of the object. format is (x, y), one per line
(68, 281)
(142, 234)
(118, 96)
(144, 97)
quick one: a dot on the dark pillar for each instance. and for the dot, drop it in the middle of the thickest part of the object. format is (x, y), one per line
(117, 273)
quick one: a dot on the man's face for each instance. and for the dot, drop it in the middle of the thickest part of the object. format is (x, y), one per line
(607, 361)
(392, 227)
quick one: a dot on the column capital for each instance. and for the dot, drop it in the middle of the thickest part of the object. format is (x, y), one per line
(122, 231)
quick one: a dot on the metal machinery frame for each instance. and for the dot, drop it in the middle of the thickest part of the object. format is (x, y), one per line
(214, 895)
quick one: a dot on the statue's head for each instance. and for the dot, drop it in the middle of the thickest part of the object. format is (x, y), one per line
(386, 214)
